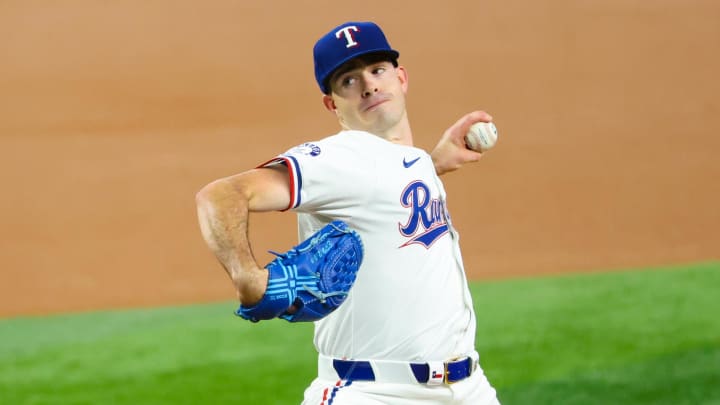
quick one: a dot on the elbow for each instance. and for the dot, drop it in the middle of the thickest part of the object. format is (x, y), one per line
(209, 194)
(222, 193)
(203, 195)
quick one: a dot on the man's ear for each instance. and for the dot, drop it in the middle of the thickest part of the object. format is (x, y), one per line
(403, 76)
(329, 103)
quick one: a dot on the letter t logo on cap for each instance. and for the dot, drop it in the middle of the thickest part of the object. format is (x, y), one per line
(348, 35)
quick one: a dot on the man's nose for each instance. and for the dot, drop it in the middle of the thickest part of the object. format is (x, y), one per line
(370, 85)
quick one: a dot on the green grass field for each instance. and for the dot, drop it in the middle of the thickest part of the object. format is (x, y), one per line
(633, 337)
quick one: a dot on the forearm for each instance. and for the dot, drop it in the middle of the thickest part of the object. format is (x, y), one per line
(223, 213)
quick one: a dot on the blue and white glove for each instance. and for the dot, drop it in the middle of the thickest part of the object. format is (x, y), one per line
(314, 277)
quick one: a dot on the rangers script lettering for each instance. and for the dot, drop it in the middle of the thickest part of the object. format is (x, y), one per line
(425, 212)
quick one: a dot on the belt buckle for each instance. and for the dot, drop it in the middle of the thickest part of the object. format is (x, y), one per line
(446, 371)
(446, 365)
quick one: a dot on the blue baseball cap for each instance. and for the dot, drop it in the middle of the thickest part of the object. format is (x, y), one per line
(345, 42)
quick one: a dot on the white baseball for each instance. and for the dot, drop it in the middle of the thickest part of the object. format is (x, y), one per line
(481, 136)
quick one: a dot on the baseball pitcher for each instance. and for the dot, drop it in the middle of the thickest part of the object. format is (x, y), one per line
(379, 269)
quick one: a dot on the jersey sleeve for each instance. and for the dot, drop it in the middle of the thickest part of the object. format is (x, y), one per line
(326, 177)
(294, 174)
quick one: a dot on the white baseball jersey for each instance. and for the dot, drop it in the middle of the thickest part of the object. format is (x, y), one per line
(410, 300)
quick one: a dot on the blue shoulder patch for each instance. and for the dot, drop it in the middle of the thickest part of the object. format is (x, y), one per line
(309, 149)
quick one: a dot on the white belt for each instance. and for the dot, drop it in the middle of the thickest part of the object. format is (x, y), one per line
(399, 372)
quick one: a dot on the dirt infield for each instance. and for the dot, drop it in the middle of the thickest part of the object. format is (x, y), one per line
(114, 115)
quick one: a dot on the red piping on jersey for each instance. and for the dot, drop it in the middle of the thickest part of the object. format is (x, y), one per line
(291, 177)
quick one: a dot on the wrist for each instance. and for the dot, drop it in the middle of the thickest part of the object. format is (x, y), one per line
(251, 285)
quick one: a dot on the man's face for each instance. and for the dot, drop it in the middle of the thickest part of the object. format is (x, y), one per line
(368, 94)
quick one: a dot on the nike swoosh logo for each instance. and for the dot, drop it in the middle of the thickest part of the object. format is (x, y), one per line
(410, 163)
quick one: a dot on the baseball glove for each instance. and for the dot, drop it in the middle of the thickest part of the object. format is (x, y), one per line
(314, 277)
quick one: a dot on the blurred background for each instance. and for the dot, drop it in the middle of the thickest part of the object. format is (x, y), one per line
(113, 114)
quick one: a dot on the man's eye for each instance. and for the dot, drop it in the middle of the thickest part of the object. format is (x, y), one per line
(379, 70)
(348, 81)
